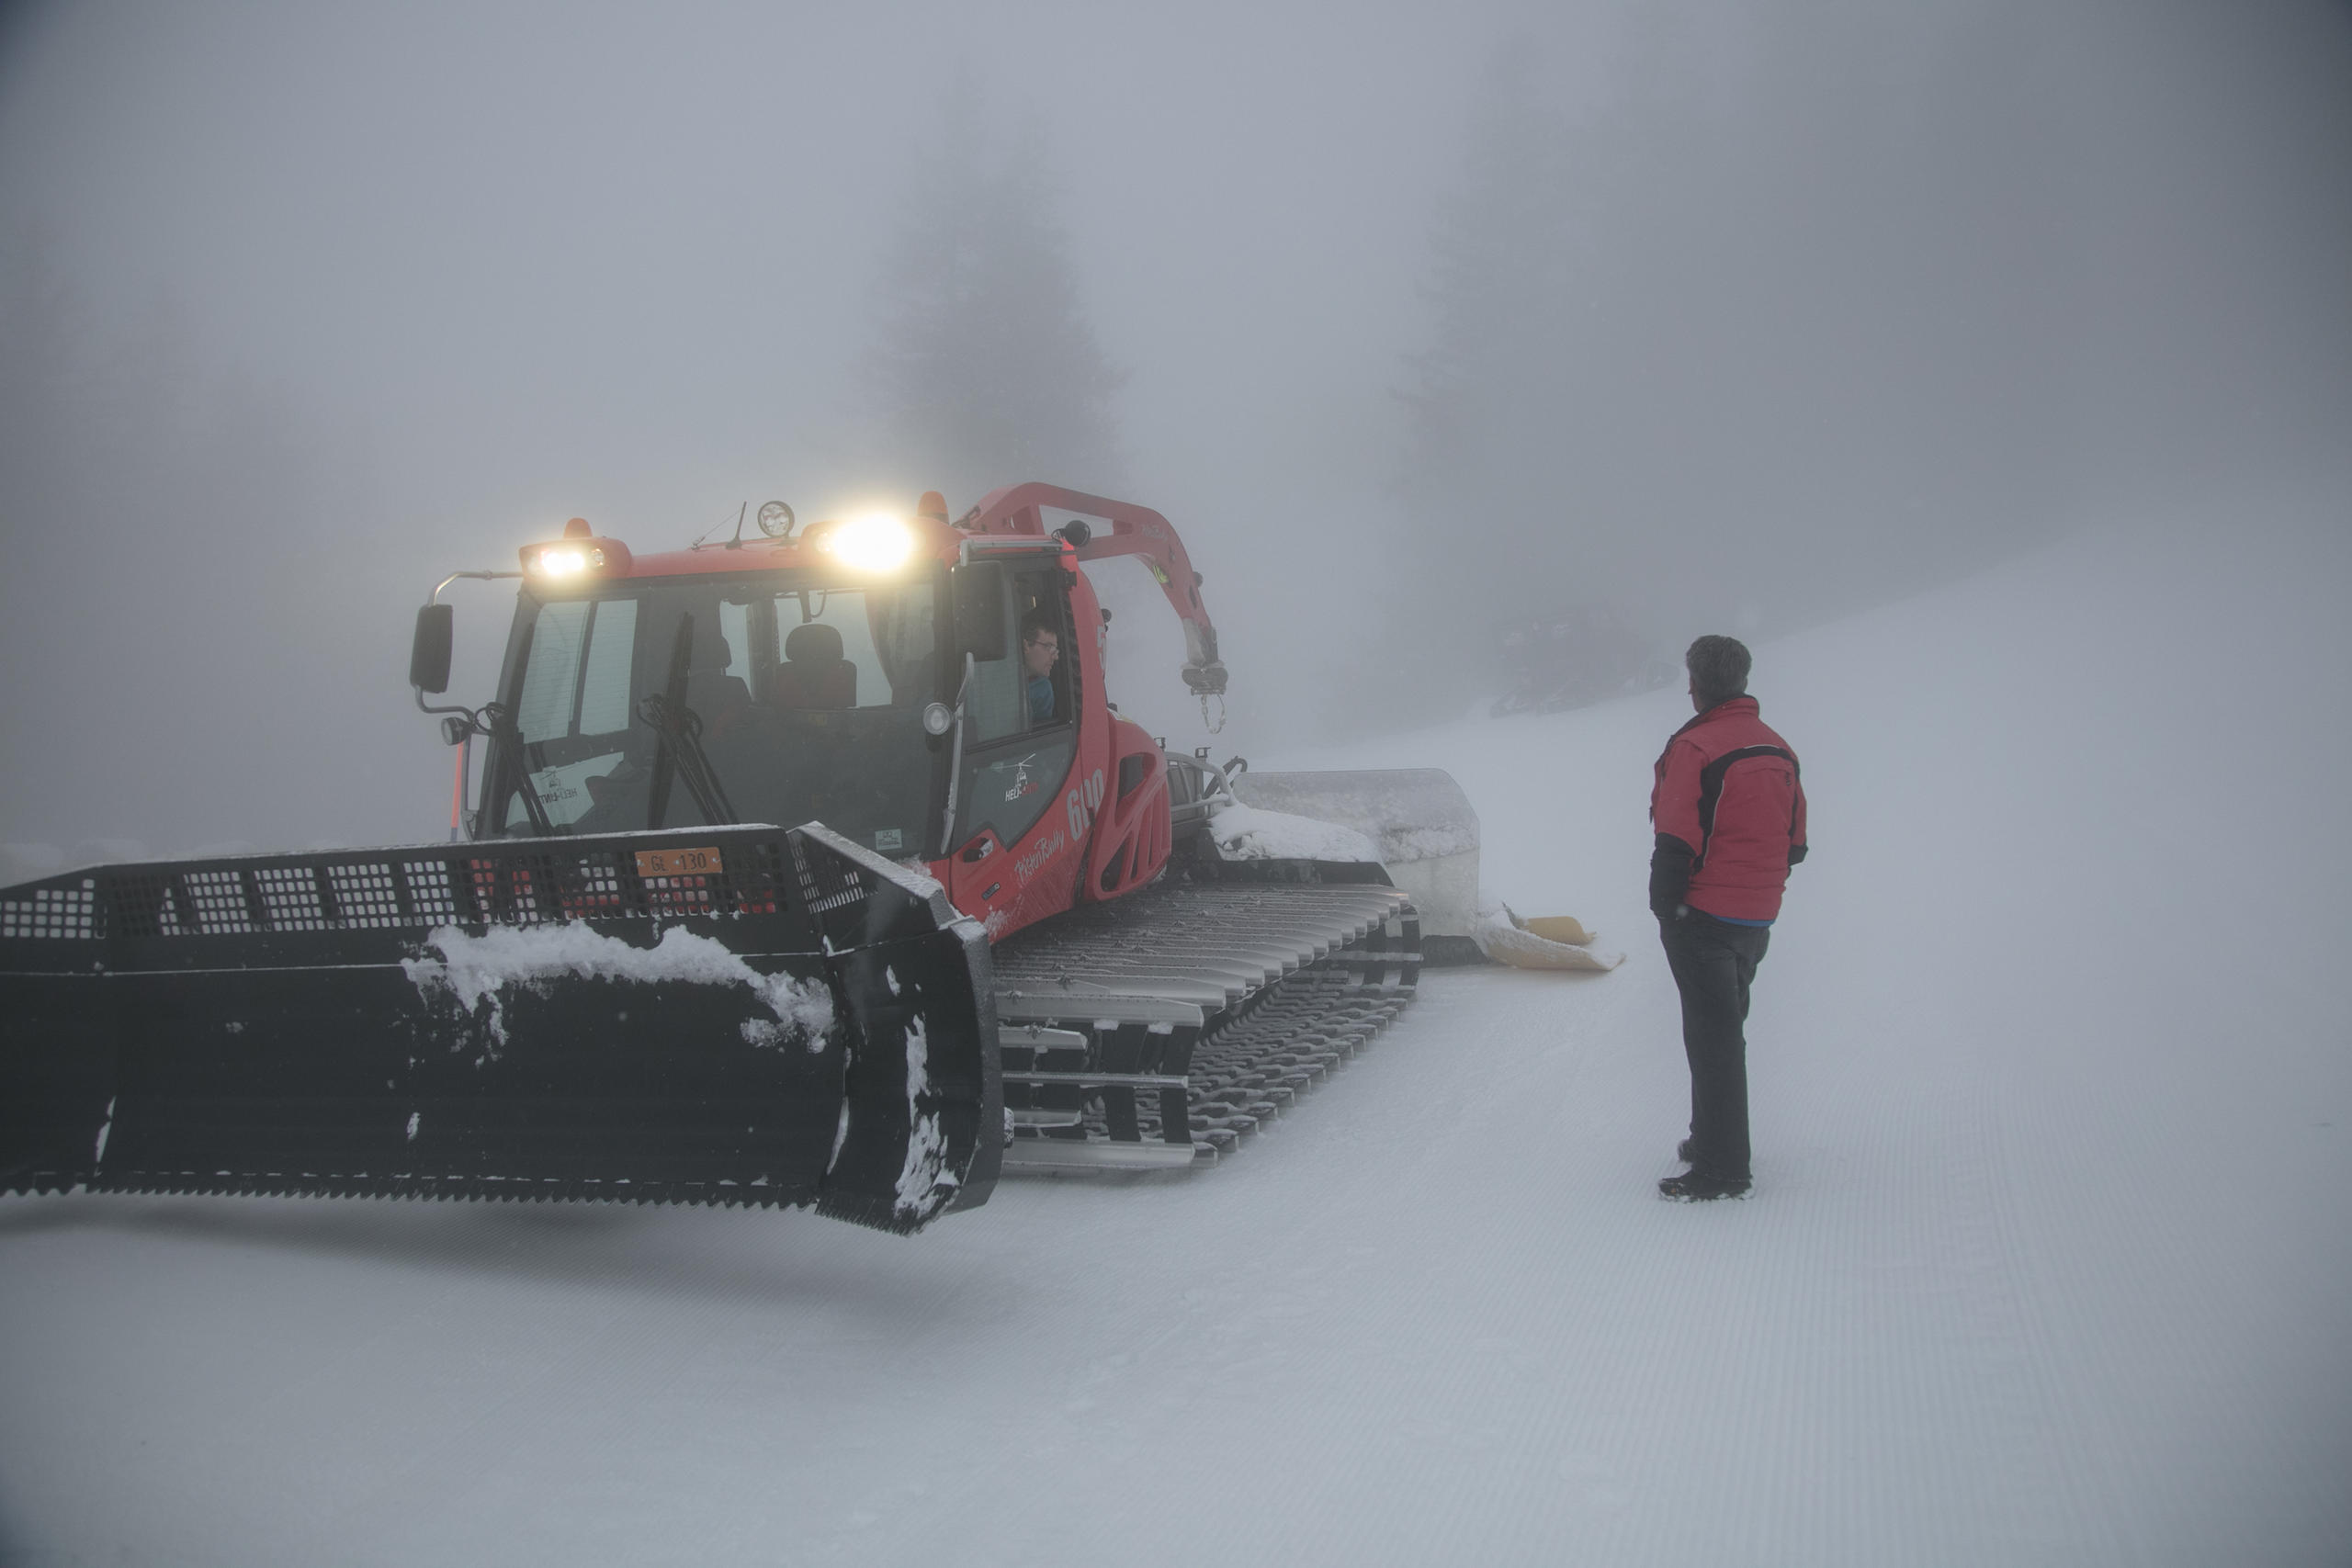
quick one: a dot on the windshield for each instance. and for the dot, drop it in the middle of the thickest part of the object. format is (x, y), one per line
(780, 698)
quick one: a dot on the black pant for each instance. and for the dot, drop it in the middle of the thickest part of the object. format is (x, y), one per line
(1713, 963)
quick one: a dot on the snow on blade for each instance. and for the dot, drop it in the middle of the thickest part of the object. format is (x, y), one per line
(923, 1176)
(475, 969)
(925, 1171)
(841, 1136)
(1248, 832)
(917, 1062)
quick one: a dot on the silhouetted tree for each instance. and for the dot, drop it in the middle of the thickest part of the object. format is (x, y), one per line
(986, 370)
(1773, 325)
(1484, 399)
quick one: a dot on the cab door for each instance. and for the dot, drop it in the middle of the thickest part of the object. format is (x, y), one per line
(1015, 855)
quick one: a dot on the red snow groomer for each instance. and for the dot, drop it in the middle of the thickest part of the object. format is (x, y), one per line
(1010, 931)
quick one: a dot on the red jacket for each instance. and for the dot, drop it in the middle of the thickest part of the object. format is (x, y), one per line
(1729, 813)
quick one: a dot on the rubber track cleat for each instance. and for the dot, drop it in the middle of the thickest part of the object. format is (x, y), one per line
(1692, 1188)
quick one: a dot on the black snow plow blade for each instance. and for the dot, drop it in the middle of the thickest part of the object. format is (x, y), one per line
(735, 1016)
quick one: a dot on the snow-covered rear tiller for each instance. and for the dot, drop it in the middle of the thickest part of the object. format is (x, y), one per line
(729, 1015)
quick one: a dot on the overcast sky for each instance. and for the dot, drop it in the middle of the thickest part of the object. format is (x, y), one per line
(634, 245)
(427, 279)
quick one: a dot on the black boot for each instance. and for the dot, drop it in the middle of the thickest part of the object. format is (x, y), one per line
(1692, 1187)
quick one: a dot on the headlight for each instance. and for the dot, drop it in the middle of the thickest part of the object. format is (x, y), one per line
(870, 544)
(565, 560)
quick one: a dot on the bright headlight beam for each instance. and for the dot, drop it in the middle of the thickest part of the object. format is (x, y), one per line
(562, 563)
(880, 542)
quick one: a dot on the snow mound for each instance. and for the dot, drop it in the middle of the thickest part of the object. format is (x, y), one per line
(1248, 832)
(475, 969)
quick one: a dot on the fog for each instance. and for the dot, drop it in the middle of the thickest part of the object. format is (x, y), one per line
(1412, 320)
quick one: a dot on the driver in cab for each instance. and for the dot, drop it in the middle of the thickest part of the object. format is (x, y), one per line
(1041, 647)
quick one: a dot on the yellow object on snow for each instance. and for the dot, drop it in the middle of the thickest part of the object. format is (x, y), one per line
(1554, 927)
(1547, 941)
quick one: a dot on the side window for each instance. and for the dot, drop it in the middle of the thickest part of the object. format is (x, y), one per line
(1028, 689)
(553, 678)
(573, 709)
(1041, 602)
(905, 631)
(577, 681)
(735, 627)
(993, 705)
(1021, 739)
(604, 687)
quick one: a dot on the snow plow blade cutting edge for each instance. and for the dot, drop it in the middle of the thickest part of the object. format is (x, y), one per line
(800, 1024)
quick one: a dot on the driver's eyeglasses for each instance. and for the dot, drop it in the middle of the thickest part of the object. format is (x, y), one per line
(1048, 644)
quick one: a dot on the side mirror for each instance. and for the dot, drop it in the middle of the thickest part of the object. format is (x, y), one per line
(980, 611)
(428, 657)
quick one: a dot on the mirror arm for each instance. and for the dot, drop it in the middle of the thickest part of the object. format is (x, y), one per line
(435, 597)
(473, 717)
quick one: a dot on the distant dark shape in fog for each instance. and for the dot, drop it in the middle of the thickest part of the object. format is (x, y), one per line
(985, 369)
(1812, 307)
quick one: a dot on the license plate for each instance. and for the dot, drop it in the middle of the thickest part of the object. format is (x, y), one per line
(677, 862)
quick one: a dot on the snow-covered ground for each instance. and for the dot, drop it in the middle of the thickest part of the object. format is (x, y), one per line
(2049, 1260)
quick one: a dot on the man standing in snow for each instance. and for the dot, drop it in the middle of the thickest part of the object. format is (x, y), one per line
(1730, 819)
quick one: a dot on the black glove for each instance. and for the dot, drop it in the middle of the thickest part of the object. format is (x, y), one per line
(1669, 874)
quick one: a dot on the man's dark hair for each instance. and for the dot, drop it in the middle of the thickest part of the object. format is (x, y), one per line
(1718, 667)
(1039, 620)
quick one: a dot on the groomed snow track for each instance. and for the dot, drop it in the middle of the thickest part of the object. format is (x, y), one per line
(1159, 1031)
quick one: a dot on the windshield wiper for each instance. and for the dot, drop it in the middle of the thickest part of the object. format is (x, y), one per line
(680, 752)
(499, 724)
